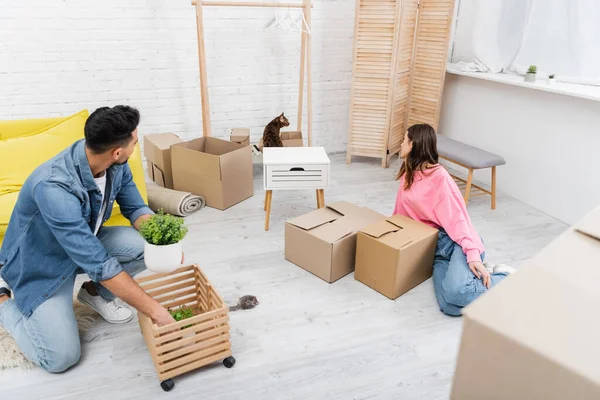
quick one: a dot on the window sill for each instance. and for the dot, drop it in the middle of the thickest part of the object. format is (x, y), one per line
(568, 89)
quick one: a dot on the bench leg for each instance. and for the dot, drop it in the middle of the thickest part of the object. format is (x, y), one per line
(493, 188)
(269, 197)
(322, 197)
(468, 187)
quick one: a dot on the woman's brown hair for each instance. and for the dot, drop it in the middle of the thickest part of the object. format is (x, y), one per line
(423, 154)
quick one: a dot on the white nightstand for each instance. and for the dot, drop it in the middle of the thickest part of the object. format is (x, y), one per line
(293, 168)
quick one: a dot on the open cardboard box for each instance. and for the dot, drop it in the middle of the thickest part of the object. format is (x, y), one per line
(240, 136)
(289, 139)
(157, 149)
(536, 335)
(323, 241)
(393, 255)
(218, 170)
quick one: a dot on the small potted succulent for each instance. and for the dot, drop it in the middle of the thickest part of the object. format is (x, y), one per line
(163, 234)
(551, 79)
(531, 73)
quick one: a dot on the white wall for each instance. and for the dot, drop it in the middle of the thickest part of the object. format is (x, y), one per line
(60, 56)
(551, 142)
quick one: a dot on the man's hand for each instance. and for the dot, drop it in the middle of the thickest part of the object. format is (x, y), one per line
(142, 218)
(162, 317)
(123, 286)
(478, 269)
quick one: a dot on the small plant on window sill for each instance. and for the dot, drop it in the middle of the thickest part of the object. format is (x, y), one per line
(531, 74)
(551, 79)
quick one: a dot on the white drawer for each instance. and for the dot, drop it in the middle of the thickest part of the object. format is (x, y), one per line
(308, 176)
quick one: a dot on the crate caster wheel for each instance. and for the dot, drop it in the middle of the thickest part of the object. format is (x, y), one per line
(229, 362)
(167, 385)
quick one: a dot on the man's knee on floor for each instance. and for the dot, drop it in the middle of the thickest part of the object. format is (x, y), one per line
(63, 359)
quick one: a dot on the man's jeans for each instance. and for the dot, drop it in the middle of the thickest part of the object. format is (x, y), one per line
(49, 337)
(454, 284)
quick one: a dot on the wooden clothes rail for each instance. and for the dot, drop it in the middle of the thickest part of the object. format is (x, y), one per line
(305, 61)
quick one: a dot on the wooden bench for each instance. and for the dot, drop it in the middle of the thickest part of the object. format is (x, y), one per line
(471, 158)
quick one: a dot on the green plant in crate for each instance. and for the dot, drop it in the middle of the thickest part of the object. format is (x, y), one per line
(182, 313)
(163, 229)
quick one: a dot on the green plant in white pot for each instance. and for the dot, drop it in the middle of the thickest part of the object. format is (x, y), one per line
(551, 79)
(531, 74)
(163, 234)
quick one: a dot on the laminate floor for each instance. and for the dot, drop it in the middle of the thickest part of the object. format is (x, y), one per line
(307, 339)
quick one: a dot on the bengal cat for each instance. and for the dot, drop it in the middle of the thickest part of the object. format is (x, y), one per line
(272, 135)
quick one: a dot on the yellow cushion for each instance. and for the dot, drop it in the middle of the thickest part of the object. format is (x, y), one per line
(22, 155)
(10, 129)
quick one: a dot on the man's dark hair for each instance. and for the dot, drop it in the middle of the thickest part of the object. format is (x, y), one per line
(108, 128)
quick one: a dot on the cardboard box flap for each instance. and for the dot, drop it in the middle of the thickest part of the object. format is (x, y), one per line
(344, 208)
(380, 228)
(590, 226)
(331, 233)
(156, 174)
(193, 156)
(316, 218)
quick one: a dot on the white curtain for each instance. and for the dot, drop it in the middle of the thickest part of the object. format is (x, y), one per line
(560, 37)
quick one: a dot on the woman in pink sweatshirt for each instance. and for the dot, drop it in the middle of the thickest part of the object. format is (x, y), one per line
(428, 194)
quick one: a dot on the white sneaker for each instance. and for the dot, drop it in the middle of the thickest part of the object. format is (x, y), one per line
(489, 267)
(504, 269)
(4, 288)
(112, 311)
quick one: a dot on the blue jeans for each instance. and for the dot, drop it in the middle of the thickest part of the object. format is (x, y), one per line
(454, 284)
(49, 337)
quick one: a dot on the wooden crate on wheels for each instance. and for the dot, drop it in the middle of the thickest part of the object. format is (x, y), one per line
(192, 343)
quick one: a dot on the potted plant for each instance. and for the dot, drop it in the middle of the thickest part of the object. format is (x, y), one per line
(163, 234)
(551, 79)
(531, 73)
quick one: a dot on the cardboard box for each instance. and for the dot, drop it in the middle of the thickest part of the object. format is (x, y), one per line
(218, 170)
(289, 139)
(157, 149)
(240, 135)
(395, 254)
(535, 335)
(323, 241)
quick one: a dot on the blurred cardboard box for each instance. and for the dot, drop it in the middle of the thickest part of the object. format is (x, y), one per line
(536, 334)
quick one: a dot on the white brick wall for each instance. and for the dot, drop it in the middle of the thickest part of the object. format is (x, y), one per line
(60, 56)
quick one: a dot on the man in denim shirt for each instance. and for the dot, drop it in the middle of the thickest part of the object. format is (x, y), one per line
(55, 232)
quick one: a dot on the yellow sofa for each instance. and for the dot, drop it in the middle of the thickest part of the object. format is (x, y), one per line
(25, 144)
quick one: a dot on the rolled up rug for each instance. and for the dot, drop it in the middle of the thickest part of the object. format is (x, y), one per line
(173, 201)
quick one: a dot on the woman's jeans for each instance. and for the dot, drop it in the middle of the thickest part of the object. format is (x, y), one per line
(49, 337)
(454, 284)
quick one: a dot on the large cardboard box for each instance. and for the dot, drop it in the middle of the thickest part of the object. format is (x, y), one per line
(537, 334)
(157, 149)
(289, 139)
(216, 169)
(240, 135)
(323, 241)
(395, 254)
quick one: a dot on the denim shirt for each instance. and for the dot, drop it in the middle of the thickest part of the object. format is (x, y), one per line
(51, 229)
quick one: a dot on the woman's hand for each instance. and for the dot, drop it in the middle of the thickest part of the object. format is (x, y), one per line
(478, 269)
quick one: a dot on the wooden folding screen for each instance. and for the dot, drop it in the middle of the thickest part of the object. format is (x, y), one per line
(400, 49)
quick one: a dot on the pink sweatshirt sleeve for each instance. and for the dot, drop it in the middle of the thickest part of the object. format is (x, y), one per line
(452, 215)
